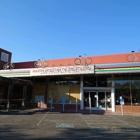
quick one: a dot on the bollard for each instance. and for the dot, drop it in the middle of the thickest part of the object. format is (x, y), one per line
(8, 106)
(23, 105)
(40, 105)
(90, 104)
(51, 103)
(76, 104)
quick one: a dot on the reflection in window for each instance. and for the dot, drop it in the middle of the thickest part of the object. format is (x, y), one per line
(64, 86)
(89, 81)
(128, 89)
(97, 81)
(102, 81)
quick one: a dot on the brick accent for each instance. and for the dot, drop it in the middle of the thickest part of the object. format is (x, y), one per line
(36, 105)
(128, 109)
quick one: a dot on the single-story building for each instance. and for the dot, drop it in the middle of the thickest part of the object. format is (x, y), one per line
(91, 82)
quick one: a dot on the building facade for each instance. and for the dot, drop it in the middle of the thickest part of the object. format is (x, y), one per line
(99, 80)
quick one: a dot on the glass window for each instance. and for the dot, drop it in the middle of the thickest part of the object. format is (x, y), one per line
(64, 86)
(127, 86)
(98, 80)
(38, 81)
(104, 80)
(89, 81)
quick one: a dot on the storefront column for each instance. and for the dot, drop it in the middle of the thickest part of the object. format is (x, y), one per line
(81, 93)
(9, 96)
(113, 94)
(46, 90)
(24, 96)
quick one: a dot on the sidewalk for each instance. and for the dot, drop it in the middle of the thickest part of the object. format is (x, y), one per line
(100, 112)
(125, 113)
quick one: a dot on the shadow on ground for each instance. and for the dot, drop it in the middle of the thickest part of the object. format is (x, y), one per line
(21, 132)
(31, 112)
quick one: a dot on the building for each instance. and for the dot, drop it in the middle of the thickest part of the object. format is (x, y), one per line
(5, 56)
(102, 79)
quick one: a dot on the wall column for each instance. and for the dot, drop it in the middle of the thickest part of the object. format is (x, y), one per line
(24, 96)
(81, 93)
(9, 96)
(46, 90)
(113, 94)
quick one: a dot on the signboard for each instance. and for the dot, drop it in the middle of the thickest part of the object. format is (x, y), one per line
(122, 101)
(65, 70)
(4, 56)
(63, 100)
(39, 98)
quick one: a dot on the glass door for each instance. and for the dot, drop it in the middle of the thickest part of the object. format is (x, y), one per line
(93, 99)
(108, 101)
(99, 100)
(86, 99)
(104, 100)
(92, 95)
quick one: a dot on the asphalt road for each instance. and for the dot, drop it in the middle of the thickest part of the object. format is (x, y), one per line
(40, 125)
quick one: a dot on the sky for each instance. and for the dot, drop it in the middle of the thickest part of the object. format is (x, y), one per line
(56, 29)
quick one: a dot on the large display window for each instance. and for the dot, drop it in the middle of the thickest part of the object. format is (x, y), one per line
(64, 86)
(97, 81)
(128, 87)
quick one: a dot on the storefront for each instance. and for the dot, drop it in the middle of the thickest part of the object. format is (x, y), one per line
(103, 79)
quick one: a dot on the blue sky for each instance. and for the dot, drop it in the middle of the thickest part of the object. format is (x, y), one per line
(53, 29)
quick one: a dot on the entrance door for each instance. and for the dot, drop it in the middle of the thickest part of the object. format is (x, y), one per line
(92, 95)
(93, 99)
(99, 100)
(104, 100)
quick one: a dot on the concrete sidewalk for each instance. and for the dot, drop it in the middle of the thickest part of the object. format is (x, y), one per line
(101, 112)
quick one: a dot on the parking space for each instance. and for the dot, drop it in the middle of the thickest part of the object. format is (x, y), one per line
(114, 126)
(51, 125)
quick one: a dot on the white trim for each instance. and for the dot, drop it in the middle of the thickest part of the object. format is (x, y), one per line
(113, 94)
(81, 93)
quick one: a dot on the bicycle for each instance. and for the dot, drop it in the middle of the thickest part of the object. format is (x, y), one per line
(41, 64)
(79, 61)
(133, 57)
(8, 65)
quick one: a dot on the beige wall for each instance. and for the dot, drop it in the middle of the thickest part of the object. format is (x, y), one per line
(53, 92)
(75, 93)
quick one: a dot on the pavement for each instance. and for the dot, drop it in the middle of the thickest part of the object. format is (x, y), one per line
(35, 124)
